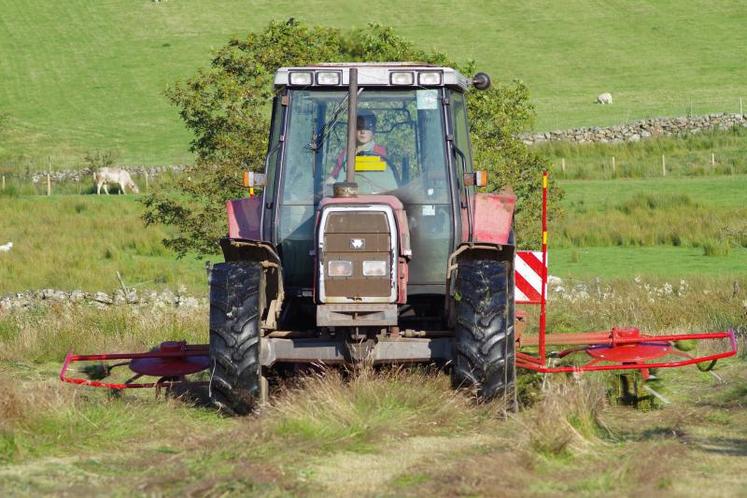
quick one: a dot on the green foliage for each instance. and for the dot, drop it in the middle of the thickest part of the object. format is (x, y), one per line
(227, 108)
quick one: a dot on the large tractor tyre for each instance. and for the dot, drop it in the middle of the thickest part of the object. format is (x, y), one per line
(236, 374)
(484, 350)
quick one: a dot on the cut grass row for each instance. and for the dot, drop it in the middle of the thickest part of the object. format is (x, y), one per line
(412, 434)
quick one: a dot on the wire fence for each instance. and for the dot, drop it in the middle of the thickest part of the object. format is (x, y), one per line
(65, 182)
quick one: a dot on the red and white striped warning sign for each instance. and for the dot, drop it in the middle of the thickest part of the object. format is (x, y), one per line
(528, 277)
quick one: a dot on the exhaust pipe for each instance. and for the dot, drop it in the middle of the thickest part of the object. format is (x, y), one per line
(349, 188)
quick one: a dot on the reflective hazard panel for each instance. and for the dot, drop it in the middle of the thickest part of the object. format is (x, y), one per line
(528, 275)
(369, 163)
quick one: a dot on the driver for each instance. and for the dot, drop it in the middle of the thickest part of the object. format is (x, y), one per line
(373, 181)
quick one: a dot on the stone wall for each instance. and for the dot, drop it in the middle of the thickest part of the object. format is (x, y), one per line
(638, 130)
(148, 299)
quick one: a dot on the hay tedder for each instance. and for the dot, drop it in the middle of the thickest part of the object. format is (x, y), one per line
(370, 242)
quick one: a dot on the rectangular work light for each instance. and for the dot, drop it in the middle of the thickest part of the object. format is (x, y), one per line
(401, 78)
(301, 78)
(328, 78)
(429, 78)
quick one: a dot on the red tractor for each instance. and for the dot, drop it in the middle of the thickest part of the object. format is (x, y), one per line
(369, 241)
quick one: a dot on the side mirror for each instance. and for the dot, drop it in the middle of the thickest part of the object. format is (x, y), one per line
(481, 81)
(252, 179)
(476, 179)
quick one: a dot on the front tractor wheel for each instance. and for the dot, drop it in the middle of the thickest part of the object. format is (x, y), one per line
(236, 374)
(484, 349)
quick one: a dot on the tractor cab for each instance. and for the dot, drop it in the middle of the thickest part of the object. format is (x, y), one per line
(410, 138)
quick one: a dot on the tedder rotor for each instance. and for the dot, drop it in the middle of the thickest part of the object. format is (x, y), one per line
(369, 241)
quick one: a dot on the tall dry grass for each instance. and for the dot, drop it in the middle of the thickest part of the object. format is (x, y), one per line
(653, 305)
(361, 409)
(47, 333)
(566, 420)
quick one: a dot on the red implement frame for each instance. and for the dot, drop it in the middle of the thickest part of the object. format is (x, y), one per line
(617, 349)
(171, 362)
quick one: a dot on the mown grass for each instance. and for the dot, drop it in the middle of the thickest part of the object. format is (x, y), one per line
(81, 242)
(406, 427)
(82, 76)
(715, 152)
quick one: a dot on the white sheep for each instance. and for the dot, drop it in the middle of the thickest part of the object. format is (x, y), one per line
(604, 98)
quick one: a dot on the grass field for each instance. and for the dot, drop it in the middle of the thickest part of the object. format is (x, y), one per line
(82, 75)
(365, 433)
(633, 249)
(677, 220)
(710, 153)
(621, 228)
(82, 241)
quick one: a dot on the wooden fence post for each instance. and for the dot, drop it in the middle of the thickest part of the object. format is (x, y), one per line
(146, 180)
(562, 164)
(614, 167)
(713, 160)
(49, 175)
(663, 166)
(3, 182)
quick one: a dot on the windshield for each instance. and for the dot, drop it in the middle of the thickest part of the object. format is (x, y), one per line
(400, 151)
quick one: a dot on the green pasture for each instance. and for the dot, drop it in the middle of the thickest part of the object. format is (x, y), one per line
(722, 152)
(663, 227)
(660, 228)
(81, 75)
(719, 192)
(81, 242)
(663, 262)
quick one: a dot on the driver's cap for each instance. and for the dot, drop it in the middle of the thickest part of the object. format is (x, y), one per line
(366, 121)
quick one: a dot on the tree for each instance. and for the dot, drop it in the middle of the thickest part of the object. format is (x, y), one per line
(227, 107)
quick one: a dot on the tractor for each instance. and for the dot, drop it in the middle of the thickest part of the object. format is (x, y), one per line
(369, 242)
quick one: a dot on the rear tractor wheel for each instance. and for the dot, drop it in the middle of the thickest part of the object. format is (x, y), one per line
(236, 382)
(484, 348)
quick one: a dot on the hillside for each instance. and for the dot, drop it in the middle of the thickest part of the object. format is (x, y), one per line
(82, 75)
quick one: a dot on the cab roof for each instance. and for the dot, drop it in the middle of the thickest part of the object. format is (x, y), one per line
(378, 74)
